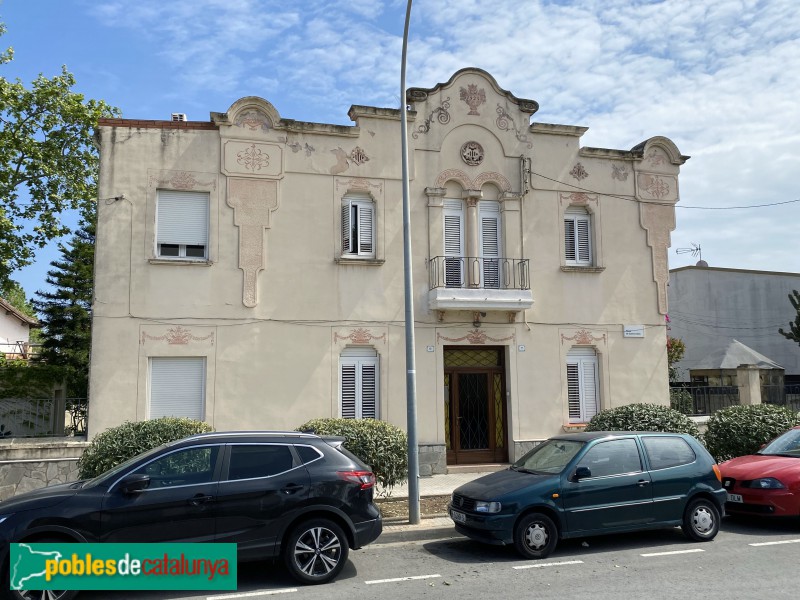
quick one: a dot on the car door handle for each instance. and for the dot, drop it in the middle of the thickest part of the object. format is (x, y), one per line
(292, 488)
(200, 499)
(643, 482)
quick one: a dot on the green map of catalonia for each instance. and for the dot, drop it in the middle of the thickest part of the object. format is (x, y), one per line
(29, 566)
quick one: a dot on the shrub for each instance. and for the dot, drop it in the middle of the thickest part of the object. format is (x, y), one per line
(741, 430)
(643, 417)
(118, 444)
(382, 446)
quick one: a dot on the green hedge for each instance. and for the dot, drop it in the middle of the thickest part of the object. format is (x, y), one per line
(643, 417)
(118, 444)
(382, 446)
(741, 430)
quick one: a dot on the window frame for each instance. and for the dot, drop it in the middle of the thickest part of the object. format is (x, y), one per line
(578, 252)
(354, 243)
(581, 358)
(182, 247)
(361, 360)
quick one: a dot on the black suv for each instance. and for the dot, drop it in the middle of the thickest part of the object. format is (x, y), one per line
(276, 494)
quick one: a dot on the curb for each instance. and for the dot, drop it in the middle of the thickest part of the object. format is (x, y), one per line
(430, 528)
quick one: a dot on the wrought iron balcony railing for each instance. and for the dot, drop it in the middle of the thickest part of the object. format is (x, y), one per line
(479, 273)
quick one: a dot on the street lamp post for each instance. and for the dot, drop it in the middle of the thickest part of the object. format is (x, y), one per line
(411, 372)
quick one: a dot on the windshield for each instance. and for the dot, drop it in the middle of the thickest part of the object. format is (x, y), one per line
(549, 457)
(787, 444)
(113, 471)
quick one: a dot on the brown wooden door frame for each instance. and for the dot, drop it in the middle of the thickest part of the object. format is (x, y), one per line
(493, 452)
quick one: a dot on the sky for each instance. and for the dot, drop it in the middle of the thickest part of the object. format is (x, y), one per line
(720, 78)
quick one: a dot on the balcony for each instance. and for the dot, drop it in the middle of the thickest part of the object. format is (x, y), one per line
(479, 284)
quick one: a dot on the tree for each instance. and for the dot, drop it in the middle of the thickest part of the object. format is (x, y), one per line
(48, 162)
(65, 312)
(675, 351)
(794, 328)
(12, 292)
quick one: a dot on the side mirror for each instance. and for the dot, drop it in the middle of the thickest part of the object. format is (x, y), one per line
(134, 483)
(582, 473)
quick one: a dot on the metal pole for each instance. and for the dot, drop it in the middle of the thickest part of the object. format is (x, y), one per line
(411, 371)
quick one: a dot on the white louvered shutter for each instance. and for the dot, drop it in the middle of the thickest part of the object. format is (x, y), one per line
(569, 240)
(454, 243)
(584, 248)
(177, 387)
(582, 385)
(577, 237)
(366, 228)
(182, 218)
(347, 232)
(490, 244)
(359, 383)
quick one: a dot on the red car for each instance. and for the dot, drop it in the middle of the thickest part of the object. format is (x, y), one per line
(767, 483)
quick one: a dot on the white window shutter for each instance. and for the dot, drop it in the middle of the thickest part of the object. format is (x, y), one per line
(369, 376)
(454, 243)
(177, 387)
(348, 390)
(584, 247)
(365, 229)
(569, 240)
(490, 243)
(347, 232)
(589, 383)
(182, 218)
(574, 392)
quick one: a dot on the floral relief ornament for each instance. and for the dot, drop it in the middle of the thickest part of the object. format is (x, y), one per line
(583, 338)
(578, 172)
(252, 158)
(177, 336)
(360, 335)
(475, 336)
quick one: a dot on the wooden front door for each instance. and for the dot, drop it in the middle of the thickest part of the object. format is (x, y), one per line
(475, 408)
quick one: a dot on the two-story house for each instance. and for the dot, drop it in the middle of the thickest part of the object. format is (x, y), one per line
(249, 271)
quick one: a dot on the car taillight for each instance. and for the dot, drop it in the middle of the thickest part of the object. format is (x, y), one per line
(717, 473)
(365, 479)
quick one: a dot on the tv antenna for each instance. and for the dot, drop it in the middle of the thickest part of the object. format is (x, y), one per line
(695, 250)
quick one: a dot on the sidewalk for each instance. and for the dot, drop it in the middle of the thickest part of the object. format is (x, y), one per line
(429, 528)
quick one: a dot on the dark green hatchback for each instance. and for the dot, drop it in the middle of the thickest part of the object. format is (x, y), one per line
(583, 484)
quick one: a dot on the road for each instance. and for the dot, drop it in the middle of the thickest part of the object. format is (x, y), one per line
(746, 560)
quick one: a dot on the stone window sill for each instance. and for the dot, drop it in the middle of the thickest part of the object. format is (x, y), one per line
(364, 262)
(578, 269)
(180, 261)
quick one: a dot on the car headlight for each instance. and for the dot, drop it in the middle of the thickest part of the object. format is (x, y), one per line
(765, 483)
(487, 507)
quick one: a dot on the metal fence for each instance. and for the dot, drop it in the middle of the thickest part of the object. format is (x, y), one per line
(479, 272)
(782, 395)
(702, 400)
(42, 417)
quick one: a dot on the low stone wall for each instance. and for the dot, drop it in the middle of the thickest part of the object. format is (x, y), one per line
(432, 459)
(30, 463)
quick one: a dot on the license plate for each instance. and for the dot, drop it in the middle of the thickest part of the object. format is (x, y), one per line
(458, 517)
(735, 498)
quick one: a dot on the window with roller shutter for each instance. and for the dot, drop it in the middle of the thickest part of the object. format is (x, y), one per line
(177, 387)
(182, 225)
(582, 385)
(358, 377)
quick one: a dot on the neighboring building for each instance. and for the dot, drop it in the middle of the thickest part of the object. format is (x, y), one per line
(15, 331)
(249, 271)
(710, 307)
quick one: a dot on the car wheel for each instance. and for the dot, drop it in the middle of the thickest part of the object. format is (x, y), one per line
(701, 520)
(35, 594)
(316, 551)
(535, 536)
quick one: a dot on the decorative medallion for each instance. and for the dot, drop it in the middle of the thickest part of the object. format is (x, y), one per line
(583, 338)
(578, 172)
(473, 97)
(253, 120)
(359, 336)
(504, 122)
(358, 156)
(475, 336)
(619, 173)
(472, 153)
(441, 115)
(252, 158)
(177, 336)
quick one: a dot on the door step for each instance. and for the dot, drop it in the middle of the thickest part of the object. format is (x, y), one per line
(480, 468)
